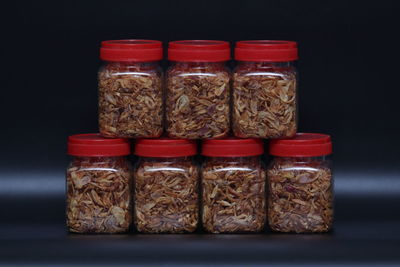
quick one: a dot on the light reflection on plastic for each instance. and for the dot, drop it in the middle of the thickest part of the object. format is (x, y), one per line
(100, 169)
(165, 169)
(131, 73)
(233, 169)
(300, 169)
(265, 73)
(197, 74)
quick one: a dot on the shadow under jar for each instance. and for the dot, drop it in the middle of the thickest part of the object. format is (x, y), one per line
(130, 89)
(300, 184)
(198, 89)
(166, 186)
(98, 185)
(233, 186)
(265, 89)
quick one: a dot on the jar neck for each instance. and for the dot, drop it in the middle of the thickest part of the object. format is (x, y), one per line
(264, 64)
(167, 159)
(142, 65)
(251, 159)
(181, 64)
(96, 158)
(302, 159)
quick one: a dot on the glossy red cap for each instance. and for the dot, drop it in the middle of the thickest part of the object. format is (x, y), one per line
(165, 148)
(302, 145)
(232, 147)
(131, 50)
(199, 51)
(266, 51)
(94, 145)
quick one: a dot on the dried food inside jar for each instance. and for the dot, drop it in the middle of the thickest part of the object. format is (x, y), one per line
(264, 101)
(197, 102)
(166, 196)
(300, 195)
(130, 100)
(98, 195)
(233, 196)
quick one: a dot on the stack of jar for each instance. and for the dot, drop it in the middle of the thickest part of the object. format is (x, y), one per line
(231, 114)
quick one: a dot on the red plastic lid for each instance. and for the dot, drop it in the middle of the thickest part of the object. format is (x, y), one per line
(94, 145)
(165, 148)
(232, 147)
(266, 50)
(199, 51)
(131, 50)
(302, 145)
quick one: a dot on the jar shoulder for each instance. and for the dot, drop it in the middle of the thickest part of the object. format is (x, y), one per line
(232, 168)
(268, 72)
(116, 70)
(301, 172)
(292, 164)
(106, 166)
(200, 71)
(165, 167)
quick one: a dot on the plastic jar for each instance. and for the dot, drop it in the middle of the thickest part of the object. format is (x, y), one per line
(233, 186)
(265, 89)
(300, 184)
(98, 185)
(130, 89)
(198, 89)
(166, 186)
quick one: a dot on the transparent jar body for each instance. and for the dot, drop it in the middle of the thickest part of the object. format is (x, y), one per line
(130, 99)
(300, 195)
(233, 195)
(264, 100)
(166, 195)
(198, 100)
(99, 195)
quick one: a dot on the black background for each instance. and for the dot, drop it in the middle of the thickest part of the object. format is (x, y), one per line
(349, 88)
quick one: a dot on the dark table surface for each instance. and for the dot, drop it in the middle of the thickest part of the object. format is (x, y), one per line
(367, 231)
